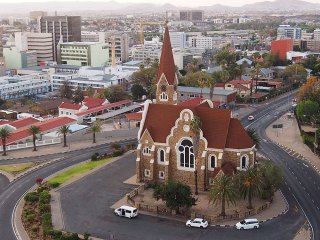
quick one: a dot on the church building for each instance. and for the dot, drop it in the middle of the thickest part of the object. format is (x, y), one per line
(166, 150)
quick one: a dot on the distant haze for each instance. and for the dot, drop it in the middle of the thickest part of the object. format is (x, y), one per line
(182, 3)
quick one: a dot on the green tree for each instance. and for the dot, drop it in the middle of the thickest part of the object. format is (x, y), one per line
(137, 91)
(250, 184)
(34, 130)
(307, 109)
(146, 77)
(90, 91)
(224, 55)
(4, 135)
(66, 90)
(175, 194)
(94, 129)
(115, 93)
(215, 78)
(64, 130)
(223, 191)
(272, 177)
(78, 95)
(254, 136)
(195, 127)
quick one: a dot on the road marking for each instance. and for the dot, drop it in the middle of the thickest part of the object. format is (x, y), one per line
(305, 165)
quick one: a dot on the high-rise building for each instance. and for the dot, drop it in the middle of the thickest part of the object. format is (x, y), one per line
(65, 28)
(316, 34)
(39, 42)
(121, 44)
(93, 36)
(191, 15)
(201, 42)
(178, 39)
(286, 31)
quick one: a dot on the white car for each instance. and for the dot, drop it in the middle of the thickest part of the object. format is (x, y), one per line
(197, 222)
(250, 118)
(248, 224)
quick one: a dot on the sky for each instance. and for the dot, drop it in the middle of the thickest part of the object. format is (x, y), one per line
(182, 3)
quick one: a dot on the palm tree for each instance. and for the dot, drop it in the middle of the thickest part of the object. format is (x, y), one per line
(252, 75)
(203, 81)
(4, 135)
(34, 130)
(64, 130)
(257, 67)
(225, 77)
(223, 191)
(96, 128)
(254, 136)
(250, 184)
(195, 126)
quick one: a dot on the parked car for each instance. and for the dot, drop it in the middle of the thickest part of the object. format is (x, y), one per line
(197, 222)
(248, 224)
(250, 118)
(126, 211)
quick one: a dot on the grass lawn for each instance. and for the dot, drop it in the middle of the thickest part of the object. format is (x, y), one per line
(16, 168)
(76, 171)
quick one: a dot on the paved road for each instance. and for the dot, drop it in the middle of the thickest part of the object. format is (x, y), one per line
(12, 193)
(4, 182)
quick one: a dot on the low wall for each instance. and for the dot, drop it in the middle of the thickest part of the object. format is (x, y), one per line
(30, 144)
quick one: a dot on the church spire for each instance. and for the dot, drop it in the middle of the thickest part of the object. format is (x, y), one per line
(167, 66)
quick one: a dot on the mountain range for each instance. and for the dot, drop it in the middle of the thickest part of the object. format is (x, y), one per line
(138, 8)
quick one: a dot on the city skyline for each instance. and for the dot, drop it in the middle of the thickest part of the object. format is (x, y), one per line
(182, 3)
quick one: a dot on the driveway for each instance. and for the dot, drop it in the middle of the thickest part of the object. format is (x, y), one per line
(86, 203)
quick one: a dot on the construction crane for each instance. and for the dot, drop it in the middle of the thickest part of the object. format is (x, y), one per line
(146, 23)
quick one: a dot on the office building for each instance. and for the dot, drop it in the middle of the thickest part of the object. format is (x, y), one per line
(201, 42)
(178, 39)
(65, 28)
(191, 15)
(83, 54)
(15, 58)
(121, 44)
(286, 31)
(281, 47)
(316, 34)
(93, 36)
(42, 43)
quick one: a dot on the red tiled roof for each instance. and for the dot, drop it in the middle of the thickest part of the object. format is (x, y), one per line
(4, 121)
(70, 106)
(240, 86)
(191, 102)
(52, 124)
(103, 107)
(167, 65)
(24, 122)
(215, 125)
(235, 131)
(93, 102)
(136, 116)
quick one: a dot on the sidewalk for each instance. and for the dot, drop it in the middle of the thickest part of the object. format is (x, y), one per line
(74, 142)
(290, 140)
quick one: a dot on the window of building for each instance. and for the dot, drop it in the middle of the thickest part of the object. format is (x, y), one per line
(146, 151)
(244, 161)
(186, 155)
(161, 174)
(212, 162)
(161, 156)
(61, 112)
(147, 172)
(163, 96)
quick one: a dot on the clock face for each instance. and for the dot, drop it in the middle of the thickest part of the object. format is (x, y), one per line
(163, 88)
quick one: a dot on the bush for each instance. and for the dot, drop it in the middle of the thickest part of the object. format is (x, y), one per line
(54, 184)
(46, 220)
(86, 236)
(44, 208)
(34, 228)
(117, 152)
(130, 146)
(31, 197)
(44, 197)
(95, 157)
(116, 146)
(30, 217)
(70, 236)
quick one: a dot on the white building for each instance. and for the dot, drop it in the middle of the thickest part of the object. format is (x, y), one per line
(150, 51)
(286, 31)
(201, 42)
(316, 34)
(20, 86)
(93, 37)
(178, 39)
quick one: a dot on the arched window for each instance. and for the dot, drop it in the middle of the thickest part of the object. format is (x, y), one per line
(212, 162)
(161, 156)
(244, 161)
(163, 96)
(186, 154)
